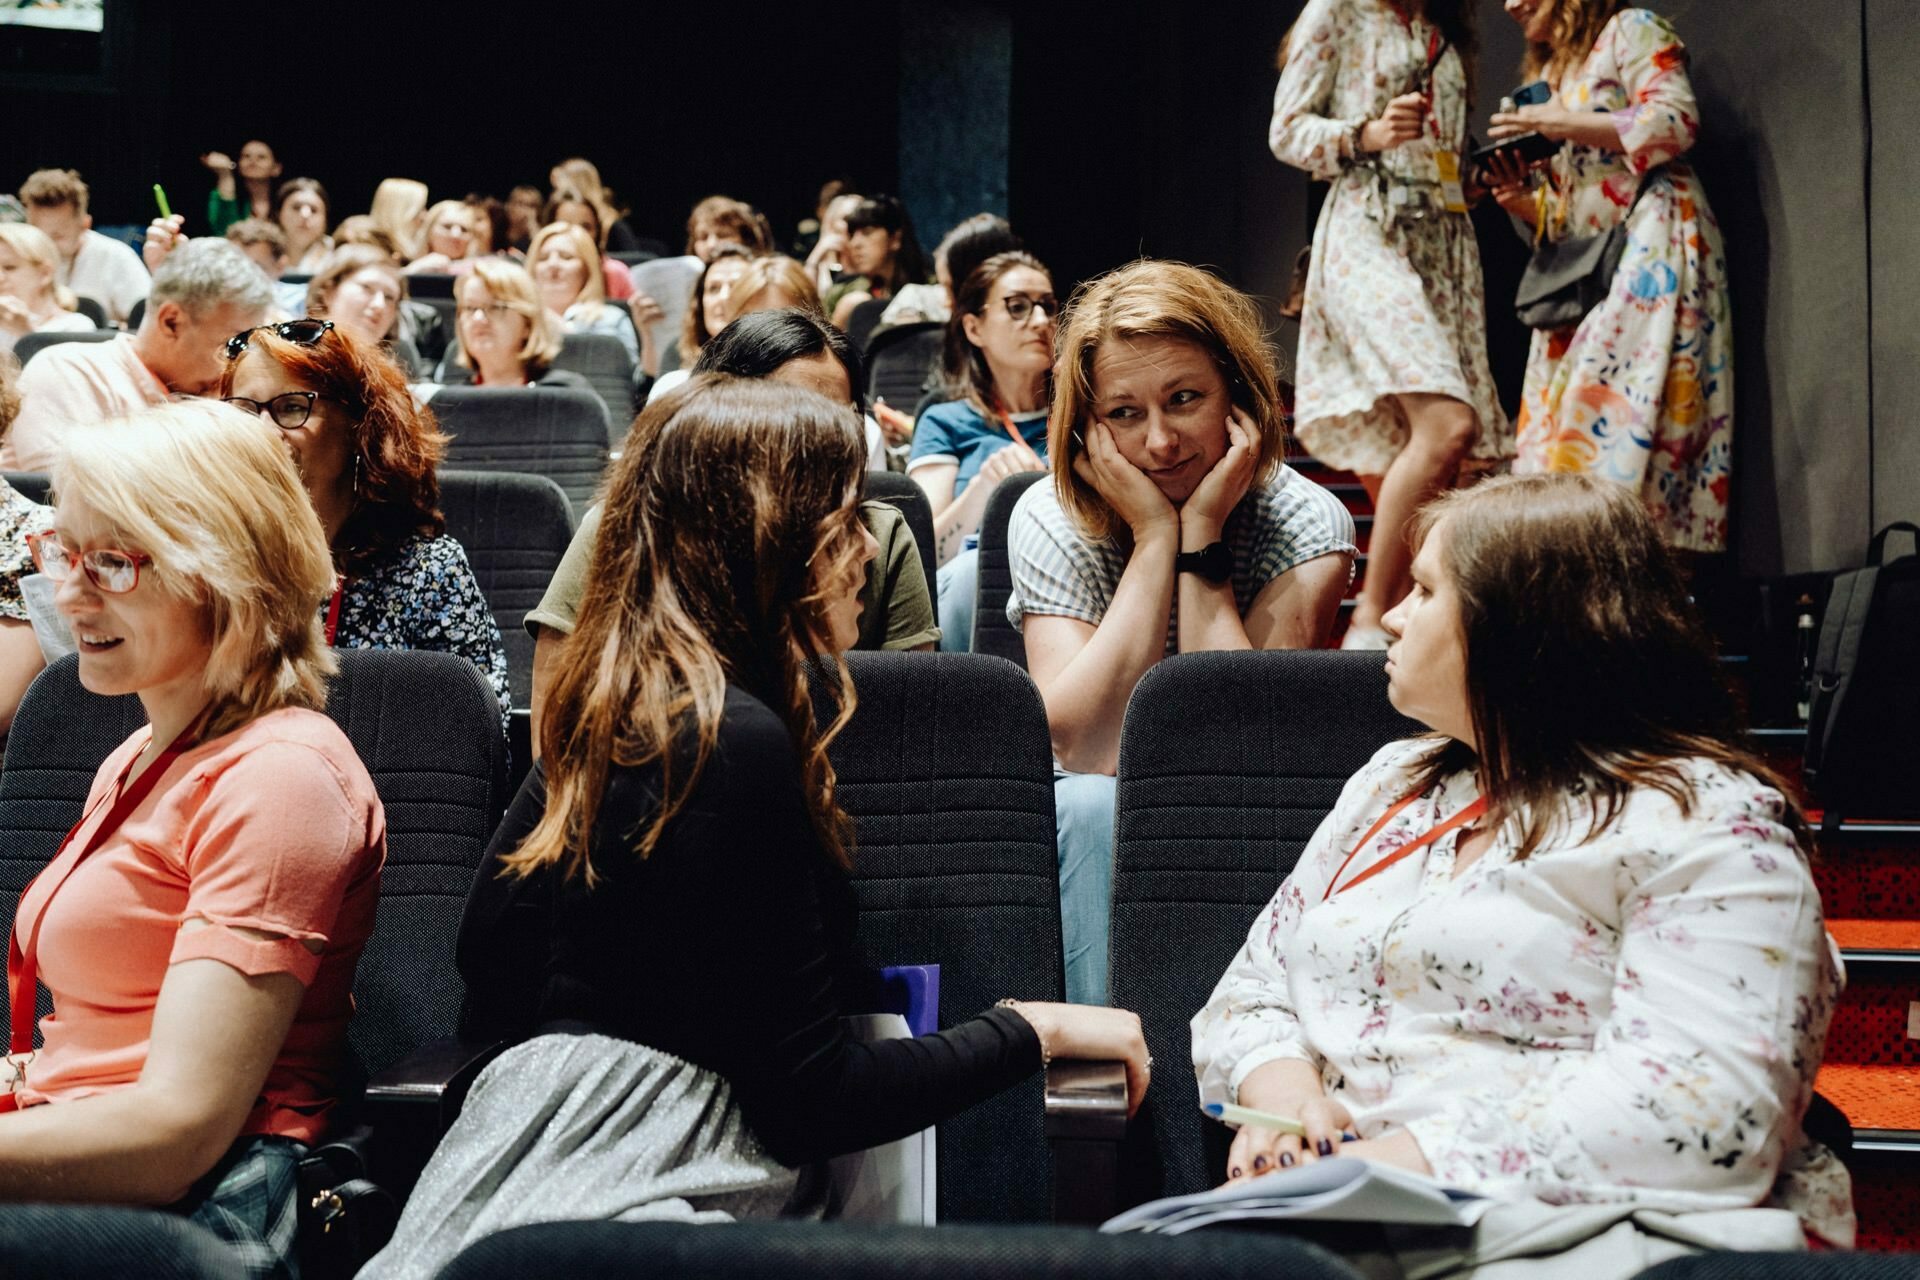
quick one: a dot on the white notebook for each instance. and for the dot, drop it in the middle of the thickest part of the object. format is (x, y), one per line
(1332, 1190)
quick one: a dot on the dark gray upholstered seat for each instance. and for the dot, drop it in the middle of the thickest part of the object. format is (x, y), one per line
(839, 1251)
(108, 1242)
(431, 284)
(992, 633)
(604, 363)
(898, 361)
(556, 432)
(31, 485)
(947, 772)
(1228, 763)
(32, 344)
(899, 491)
(92, 310)
(1788, 1266)
(428, 729)
(515, 529)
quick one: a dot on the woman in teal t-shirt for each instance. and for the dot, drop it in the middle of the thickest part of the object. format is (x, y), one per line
(1000, 359)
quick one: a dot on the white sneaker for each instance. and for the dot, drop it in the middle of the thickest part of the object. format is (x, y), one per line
(1371, 638)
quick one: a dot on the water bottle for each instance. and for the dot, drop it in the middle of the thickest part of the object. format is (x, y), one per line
(1803, 653)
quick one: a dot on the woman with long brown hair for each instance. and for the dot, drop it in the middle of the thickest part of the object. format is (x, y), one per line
(1392, 367)
(1640, 389)
(1567, 946)
(667, 909)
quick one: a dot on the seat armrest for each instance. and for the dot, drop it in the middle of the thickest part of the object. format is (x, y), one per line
(1086, 1120)
(436, 1074)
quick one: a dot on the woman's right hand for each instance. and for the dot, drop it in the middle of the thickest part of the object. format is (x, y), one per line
(217, 162)
(1133, 497)
(1401, 122)
(1092, 1032)
(14, 316)
(644, 310)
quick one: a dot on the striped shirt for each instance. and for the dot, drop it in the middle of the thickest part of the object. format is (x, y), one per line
(1057, 570)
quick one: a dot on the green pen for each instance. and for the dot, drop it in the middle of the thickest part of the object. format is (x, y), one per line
(160, 198)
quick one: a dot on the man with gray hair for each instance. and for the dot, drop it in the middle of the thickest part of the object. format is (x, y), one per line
(204, 293)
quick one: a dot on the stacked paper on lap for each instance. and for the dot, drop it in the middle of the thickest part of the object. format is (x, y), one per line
(1333, 1190)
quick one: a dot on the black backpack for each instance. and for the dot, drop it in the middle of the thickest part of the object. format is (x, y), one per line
(1863, 734)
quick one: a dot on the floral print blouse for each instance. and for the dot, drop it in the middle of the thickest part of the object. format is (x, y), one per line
(423, 595)
(1637, 73)
(18, 518)
(1637, 1017)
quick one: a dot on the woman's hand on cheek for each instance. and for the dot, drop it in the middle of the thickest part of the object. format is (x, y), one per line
(1133, 497)
(1205, 514)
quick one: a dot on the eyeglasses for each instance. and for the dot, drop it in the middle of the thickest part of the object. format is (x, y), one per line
(288, 410)
(493, 310)
(115, 572)
(1019, 306)
(304, 333)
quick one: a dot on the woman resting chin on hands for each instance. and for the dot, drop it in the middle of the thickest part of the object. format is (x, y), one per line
(1565, 947)
(1171, 526)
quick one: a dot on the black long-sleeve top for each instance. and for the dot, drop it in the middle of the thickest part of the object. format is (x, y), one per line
(729, 946)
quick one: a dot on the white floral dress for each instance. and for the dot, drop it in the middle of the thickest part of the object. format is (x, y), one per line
(1394, 301)
(1641, 392)
(1637, 1018)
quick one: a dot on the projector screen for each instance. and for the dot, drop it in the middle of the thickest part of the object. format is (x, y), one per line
(56, 15)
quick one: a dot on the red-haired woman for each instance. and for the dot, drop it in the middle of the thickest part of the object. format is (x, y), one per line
(367, 453)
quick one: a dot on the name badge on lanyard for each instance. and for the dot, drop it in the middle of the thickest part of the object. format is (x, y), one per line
(1446, 161)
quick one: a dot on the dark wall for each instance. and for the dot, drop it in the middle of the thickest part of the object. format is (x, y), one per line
(673, 102)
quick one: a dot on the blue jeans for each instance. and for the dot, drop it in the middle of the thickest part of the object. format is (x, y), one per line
(1083, 823)
(958, 579)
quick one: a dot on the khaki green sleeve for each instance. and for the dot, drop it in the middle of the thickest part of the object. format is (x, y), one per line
(896, 606)
(561, 605)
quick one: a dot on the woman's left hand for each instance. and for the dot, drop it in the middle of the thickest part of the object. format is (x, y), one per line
(1548, 119)
(1205, 512)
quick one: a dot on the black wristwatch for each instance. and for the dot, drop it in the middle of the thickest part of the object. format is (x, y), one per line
(1214, 563)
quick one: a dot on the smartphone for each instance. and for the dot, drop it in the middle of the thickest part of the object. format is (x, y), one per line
(1531, 95)
(1531, 148)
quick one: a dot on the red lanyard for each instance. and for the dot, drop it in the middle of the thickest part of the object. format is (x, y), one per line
(333, 608)
(22, 961)
(1006, 420)
(1466, 815)
(1436, 49)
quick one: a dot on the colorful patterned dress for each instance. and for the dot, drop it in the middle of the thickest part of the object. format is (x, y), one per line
(1394, 299)
(1641, 391)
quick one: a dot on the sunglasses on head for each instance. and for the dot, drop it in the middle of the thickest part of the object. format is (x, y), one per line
(304, 333)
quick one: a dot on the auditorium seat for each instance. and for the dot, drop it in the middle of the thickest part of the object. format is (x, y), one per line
(556, 432)
(1220, 785)
(898, 361)
(515, 529)
(34, 486)
(863, 321)
(947, 772)
(898, 491)
(1787, 1266)
(30, 345)
(841, 1251)
(110, 1242)
(431, 284)
(992, 633)
(603, 361)
(92, 310)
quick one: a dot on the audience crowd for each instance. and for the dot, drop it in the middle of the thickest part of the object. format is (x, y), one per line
(1603, 978)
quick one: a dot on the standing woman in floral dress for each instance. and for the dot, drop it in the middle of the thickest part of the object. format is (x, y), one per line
(1641, 390)
(1392, 374)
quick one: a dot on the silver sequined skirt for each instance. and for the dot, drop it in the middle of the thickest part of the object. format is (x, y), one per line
(586, 1128)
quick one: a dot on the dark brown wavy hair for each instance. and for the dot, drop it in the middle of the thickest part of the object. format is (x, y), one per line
(731, 522)
(397, 444)
(1589, 672)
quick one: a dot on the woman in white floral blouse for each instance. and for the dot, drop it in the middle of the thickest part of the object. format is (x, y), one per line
(1566, 947)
